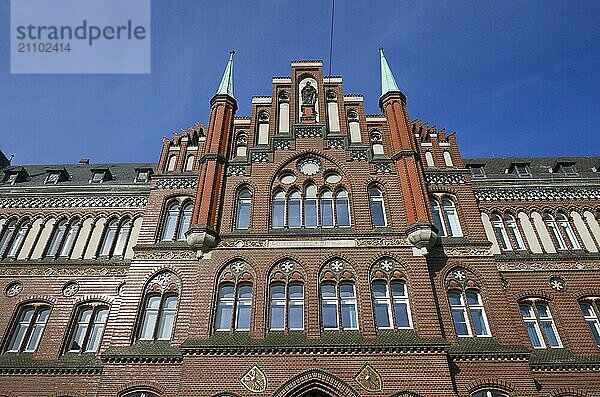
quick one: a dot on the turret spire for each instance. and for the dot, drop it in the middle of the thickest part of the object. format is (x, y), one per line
(388, 83)
(226, 86)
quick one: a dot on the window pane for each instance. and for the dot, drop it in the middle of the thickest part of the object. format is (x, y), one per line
(296, 315)
(328, 290)
(595, 329)
(533, 334)
(150, 317)
(401, 312)
(380, 289)
(479, 322)
(122, 238)
(185, 221)
(460, 322)
(245, 291)
(35, 338)
(21, 329)
(243, 315)
(310, 212)
(72, 231)
(97, 330)
(526, 311)
(224, 312)
(329, 314)
(243, 213)
(170, 222)
(342, 209)
(550, 333)
(81, 328)
(278, 212)
(294, 216)
(326, 212)
(398, 289)
(472, 298)
(277, 314)
(296, 291)
(346, 290)
(109, 237)
(226, 291)
(278, 291)
(377, 213)
(349, 314)
(454, 298)
(382, 313)
(437, 218)
(167, 318)
(451, 217)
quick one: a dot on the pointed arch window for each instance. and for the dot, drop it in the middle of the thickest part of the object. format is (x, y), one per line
(279, 206)
(244, 203)
(87, 327)
(468, 313)
(13, 238)
(429, 159)
(338, 296)
(342, 208)
(160, 307)
(540, 324)
(241, 144)
(451, 217)
(294, 209)
(28, 329)
(513, 231)
(171, 163)
(377, 207)
(567, 230)
(326, 207)
(189, 162)
(170, 223)
(7, 234)
(310, 205)
(500, 231)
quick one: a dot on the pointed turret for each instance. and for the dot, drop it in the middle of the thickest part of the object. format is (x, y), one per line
(226, 86)
(421, 231)
(388, 82)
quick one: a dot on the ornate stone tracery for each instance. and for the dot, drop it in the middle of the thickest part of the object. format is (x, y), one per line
(164, 282)
(337, 269)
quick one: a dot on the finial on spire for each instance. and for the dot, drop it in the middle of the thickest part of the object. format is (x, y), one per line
(388, 83)
(226, 86)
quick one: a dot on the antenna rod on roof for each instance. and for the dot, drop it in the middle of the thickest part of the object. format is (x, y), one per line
(331, 38)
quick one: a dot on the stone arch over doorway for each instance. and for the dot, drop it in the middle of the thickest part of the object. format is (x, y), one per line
(315, 383)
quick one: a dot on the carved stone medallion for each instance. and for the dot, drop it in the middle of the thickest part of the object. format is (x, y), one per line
(369, 379)
(254, 380)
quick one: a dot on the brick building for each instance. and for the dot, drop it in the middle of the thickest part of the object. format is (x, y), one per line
(309, 249)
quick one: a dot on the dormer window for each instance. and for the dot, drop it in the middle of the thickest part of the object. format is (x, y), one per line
(100, 175)
(143, 175)
(477, 170)
(567, 168)
(55, 176)
(11, 178)
(520, 169)
(52, 178)
(13, 175)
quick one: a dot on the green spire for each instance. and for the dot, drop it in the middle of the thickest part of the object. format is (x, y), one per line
(226, 86)
(388, 83)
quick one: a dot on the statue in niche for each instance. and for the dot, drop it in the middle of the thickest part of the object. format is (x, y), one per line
(309, 95)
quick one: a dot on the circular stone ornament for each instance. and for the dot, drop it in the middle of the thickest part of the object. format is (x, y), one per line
(309, 166)
(558, 284)
(70, 288)
(13, 289)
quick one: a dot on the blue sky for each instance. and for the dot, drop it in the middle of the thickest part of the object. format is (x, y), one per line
(516, 78)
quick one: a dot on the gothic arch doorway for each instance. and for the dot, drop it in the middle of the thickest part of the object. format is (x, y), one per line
(315, 383)
(315, 394)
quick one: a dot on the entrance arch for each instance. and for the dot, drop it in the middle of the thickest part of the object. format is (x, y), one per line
(315, 383)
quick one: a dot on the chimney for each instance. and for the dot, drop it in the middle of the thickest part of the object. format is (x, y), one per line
(84, 161)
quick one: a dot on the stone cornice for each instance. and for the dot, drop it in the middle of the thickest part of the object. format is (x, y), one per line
(536, 193)
(55, 201)
(273, 350)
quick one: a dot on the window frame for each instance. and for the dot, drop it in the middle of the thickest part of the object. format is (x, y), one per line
(28, 335)
(380, 198)
(178, 234)
(467, 310)
(442, 214)
(96, 308)
(59, 241)
(287, 302)
(390, 300)
(339, 301)
(537, 321)
(234, 303)
(163, 296)
(246, 202)
(593, 320)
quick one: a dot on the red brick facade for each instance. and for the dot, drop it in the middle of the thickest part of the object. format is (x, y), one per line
(171, 250)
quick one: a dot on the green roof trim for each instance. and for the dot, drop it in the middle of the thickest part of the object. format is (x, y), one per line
(70, 362)
(328, 339)
(485, 345)
(561, 357)
(144, 348)
(226, 86)
(388, 82)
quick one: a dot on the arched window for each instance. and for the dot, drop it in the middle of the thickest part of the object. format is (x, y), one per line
(244, 203)
(540, 324)
(287, 306)
(342, 208)
(377, 207)
(177, 221)
(429, 159)
(468, 313)
(139, 393)
(445, 217)
(326, 208)
(160, 307)
(451, 217)
(500, 231)
(489, 393)
(591, 313)
(448, 159)
(116, 236)
(310, 205)
(278, 220)
(294, 209)
(87, 327)
(513, 231)
(234, 298)
(7, 234)
(63, 238)
(171, 163)
(567, 230)
(189, 162)
(15, 245)
(392, 310)
(28, 328)
(555, 234)
(338, 296)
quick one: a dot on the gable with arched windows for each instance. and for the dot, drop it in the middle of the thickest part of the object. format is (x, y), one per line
(234, 297)
(176, 219)
(390, 295)
(466, 304)
(159, 307)
(337, 282)
(286, 296)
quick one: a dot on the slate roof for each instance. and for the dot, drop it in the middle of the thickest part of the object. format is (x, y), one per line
(79, 174)
(496, 168)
